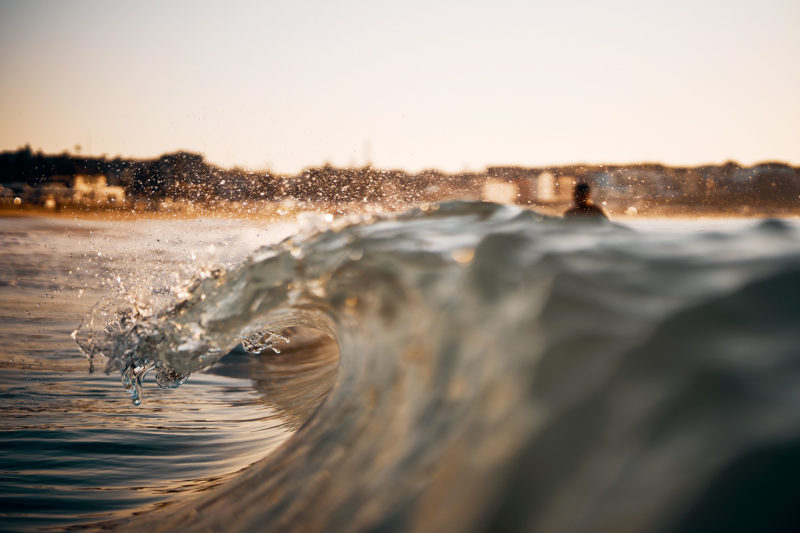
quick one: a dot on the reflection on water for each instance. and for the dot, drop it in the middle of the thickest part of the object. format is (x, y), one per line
(76, 450)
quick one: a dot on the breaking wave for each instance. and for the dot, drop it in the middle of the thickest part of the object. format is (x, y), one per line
(496, 370)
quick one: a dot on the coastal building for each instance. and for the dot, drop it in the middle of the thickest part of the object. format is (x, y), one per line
(522, 179)
(499, 191)
(7, 197)
(94, 190)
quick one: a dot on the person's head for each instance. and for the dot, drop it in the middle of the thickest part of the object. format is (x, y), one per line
(581, 193)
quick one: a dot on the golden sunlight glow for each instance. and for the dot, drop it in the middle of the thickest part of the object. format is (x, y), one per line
(439, 84)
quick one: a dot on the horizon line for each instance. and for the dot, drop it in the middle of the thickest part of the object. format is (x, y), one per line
(370, 164)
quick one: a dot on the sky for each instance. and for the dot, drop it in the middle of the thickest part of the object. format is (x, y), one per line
(455, 85)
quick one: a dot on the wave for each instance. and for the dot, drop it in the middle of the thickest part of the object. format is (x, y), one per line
(493, 369)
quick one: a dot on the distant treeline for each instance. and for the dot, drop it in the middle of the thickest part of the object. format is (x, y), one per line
(187, 176)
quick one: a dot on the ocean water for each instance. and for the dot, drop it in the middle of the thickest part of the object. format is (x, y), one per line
(458, 367)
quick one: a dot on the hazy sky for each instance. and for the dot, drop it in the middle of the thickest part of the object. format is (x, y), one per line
(454, 85)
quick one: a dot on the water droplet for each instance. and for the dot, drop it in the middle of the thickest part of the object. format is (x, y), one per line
(132, 378)
(463, 255)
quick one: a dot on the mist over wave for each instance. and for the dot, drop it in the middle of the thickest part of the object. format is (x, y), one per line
(497, 370)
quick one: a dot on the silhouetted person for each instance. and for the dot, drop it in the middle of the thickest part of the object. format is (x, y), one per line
(583, 206)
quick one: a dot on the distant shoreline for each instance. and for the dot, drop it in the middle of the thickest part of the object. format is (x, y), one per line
(274, 213)
(123, 214)
(183, 183)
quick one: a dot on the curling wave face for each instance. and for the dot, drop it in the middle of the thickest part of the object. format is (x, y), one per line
(499, 370)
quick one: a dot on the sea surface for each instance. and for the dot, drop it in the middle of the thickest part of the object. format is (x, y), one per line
(458, 367)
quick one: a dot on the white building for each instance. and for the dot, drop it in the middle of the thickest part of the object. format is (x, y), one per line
(95, 190)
